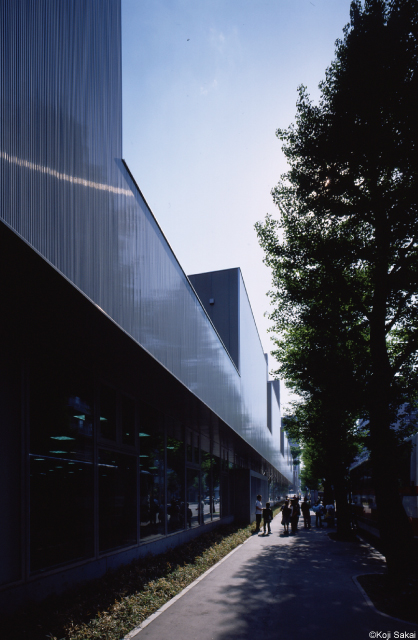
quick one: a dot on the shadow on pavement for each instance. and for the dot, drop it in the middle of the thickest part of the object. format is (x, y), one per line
(301, 586)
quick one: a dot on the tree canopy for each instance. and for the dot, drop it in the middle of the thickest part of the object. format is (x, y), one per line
(344, 252)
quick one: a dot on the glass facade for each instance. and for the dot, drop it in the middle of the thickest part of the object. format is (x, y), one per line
(176, 508)
(61, 464)
(153, 509)
(166, 479)
(117, 500)
(10, 460)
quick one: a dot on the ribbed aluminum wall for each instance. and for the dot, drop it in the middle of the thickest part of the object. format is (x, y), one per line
(64, 188)
(282, 464)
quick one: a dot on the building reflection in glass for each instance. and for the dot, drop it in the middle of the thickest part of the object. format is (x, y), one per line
(194, 502)
(61, 465)
(117, 500)
(176, 510)
(152, 507)
(216, 483)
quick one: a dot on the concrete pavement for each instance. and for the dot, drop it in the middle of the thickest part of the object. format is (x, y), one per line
(280, 586)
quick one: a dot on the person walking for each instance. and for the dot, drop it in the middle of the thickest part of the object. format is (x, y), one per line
(258, 513)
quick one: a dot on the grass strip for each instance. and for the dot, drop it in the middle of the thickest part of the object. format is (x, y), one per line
(110, 607)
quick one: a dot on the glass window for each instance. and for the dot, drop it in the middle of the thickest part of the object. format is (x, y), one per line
(128, 420)
(151, 464)
(216, 480)
(61, 464)
(206, 478)
(175, 477)
(107, 413)
(206, 485)
(224, 483)
(224, 460)
(192, 447)
(117, 500)
(193, 505)
(10, 457)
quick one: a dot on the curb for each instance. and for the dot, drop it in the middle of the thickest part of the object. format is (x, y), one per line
(372, 605)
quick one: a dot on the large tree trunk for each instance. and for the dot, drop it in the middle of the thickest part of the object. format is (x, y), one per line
(343, 507)
(395, 530)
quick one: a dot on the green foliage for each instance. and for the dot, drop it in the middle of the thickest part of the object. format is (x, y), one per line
(344, 253)
(311, 473)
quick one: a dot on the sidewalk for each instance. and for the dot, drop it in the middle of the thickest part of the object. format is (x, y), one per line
(278, 586)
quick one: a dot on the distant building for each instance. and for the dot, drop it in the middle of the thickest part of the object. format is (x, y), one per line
(135, 410)
(363, 494)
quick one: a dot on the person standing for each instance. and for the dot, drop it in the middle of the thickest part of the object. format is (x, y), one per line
(306, 512)
(267, 518)
(286, 511)
(294, 518)
(258, 513)
(319, 512)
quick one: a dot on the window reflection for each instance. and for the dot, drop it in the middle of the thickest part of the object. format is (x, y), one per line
(225, 508)
(107, 412)
(194, 501)
(206, 478)
(61, 464)
(117, 500)
(216, 480)
(207, 493)
(151, 464)
(128, 420)
(192, 447)
(175, 478)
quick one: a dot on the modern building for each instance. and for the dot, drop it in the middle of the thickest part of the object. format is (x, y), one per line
(135, 407)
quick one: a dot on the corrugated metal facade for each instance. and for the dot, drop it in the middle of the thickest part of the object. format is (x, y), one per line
(65, 189)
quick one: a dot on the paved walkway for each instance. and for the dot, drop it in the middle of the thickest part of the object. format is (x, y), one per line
(277, 586)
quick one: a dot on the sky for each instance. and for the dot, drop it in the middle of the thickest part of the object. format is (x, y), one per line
(206, 85)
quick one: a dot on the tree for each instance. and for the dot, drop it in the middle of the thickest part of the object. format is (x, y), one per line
(309, 477)
(346, 246)
(330, 440)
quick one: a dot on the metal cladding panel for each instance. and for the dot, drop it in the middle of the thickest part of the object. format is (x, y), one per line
(218, 292)
(254, 390)
(65, 189)
(282, 464)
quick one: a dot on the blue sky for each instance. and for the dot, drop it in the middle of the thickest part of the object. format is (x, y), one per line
(206, 84)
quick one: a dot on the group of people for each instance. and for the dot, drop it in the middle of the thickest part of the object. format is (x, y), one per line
(291, 511)
(263, 512)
